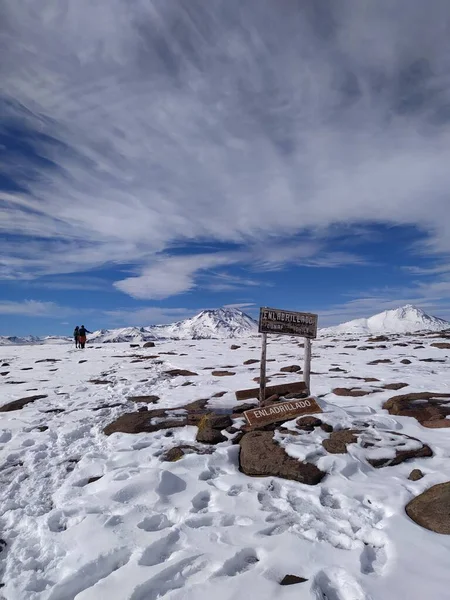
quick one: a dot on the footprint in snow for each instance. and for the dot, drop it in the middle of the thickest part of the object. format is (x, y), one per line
(200, 502)
(155, 523)
(241, 562)
(337, 584)
(160, 551)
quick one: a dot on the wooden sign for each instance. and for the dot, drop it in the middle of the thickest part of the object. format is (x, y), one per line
(295, 387)
(287, 322)
(281, 411)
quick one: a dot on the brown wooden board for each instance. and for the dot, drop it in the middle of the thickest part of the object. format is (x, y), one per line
(295, 387)
(281, 411)
(287, 322)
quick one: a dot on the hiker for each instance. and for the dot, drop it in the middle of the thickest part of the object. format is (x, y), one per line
(82, 336)
(76, 333)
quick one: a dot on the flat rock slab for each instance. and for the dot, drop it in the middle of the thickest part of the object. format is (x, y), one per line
(251, 361)
(50, 360)
(261, 456)
(441, 345)
(429, 408)
(223, 373)
(292, 580)
(146, 399)
(18, 404)
(380, 361)
(180, 373)
(394, 386)
(431, 509)
(354, 392)
(291, 369)
(381, 448)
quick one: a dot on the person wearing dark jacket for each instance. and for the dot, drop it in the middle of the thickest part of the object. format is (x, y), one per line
(76, 333)
(82, 336)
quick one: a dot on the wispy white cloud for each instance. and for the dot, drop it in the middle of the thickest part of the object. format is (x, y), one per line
(33, 308)
(163, 123)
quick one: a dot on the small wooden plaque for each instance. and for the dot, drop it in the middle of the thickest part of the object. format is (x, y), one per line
(281, 411)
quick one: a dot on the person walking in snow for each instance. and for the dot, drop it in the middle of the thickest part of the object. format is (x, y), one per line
(82, 336)
(76, 333)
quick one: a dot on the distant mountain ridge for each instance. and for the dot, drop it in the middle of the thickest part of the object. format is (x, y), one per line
(406, 319)
(222, 323)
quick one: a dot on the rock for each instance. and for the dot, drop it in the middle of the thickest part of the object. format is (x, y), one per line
(93, 479)
(251, 361)
(146, 422)
(177, 452)
(338, 441)
(431, 509)
(26, 369)
(102, 406)
(292, 580)
(355, 392)
(261, 456)
(80, 362)
(370, 379)
(394, 386)
(405, 361)
(180, 373)
(223, 373)
(441, 345)
(397, 442)
(146, 399)
(337, 370)
(397, 447)
(432, 360)
(378, 338)
(4, 373)
(210, 426)
(239, 409)
(100, 381)
(326, 427)
(351, 346)
(401, 344)
(43, 360)
(149, 345)
(187, 383)
(135, 346)
(291, 369)
(430, 409)
(380, 361)
(5, 364)
(219, 394)
(415, 475)
(18, 404)
(234, 347)
(308, 423)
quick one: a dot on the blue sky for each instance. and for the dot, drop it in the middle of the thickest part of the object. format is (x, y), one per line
(157, 158)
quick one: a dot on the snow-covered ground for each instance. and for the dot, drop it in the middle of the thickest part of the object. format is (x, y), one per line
(198, 528)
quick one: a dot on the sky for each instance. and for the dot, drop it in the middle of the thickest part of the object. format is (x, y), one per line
(160, 157)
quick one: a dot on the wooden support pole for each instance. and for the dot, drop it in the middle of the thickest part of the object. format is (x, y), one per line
(262, 374)
(307, 365)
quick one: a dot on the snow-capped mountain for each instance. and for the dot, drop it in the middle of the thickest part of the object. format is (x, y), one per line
(221, 323)
(124, 334)
(27, 340)
(406, 319)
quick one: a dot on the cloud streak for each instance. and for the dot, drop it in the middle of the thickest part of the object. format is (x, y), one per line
(157, 124)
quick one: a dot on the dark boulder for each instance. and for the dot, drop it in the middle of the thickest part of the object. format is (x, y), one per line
(261, 456)
(431, 509)
(149, 345)
(18, 404)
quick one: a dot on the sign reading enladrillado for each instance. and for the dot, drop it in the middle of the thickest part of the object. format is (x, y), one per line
(281, 411)
(286, 322)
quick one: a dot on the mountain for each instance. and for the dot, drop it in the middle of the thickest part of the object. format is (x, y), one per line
(221, 323)
(406, 319)
(124, 334)
(29, 340)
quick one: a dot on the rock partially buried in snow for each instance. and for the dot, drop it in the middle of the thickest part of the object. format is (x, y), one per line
(415, 475)
(223, 373)
(149, 345)
(429, 408)
(381, 448)
(180, 373)
(261, 456)
(177, 452)
(291, 369)
(354, 392)
(431, 509)
(18, 404)
(394, 386)
(210, 427)
(441, 345)
(146, 399)
(292, 580)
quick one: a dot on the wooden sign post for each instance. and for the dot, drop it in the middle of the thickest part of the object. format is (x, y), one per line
(284, 322)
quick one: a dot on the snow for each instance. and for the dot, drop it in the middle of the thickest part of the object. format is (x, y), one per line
(407, 319)
(199, 528)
